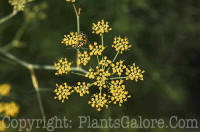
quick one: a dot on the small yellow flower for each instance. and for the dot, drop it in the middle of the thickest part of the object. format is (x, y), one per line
(11, 109)
(101, 27)
(118, 67)
(90, 74)
(121, 44)
(134, 73)
(62, 66)
(82, 88)
(18, 5)
(99, 101)
(63, 92)
(101, 76)
(5, 89)
(72, 1)
(73, 39)
(83, 58)
(96, 49)
(118, 93)
(2, 107)
(105, 62)
(2, 126)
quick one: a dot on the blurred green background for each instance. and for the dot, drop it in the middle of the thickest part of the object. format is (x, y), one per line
(164, 34)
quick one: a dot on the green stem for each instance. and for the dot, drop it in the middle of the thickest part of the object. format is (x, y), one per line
(79, 74)
(116, 56)
(78, 30)
(102, 40)
(114, 78)
(4, 19)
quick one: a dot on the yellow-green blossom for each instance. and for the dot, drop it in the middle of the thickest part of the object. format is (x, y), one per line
(62, 66)
(19, 5)
(83, 58)
(82, 88)
(96, 49)
(63, 91)
(118, 93)
(99, 101)
(11, 109)
(100, 28)
(134, 73)
(121, 44)
(5, 89)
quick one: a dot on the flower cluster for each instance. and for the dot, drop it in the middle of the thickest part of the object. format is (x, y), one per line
(105, 79)
(10, 109)
(2, 125)
(118, 67)
(118, 93)
(121, 44)
(18, 5)
(63, 91)
(4, 89)
(96, 49)
(134, 73)
(83, 58)
(82, 88)
(73, 39)
(99, 101)
(62, 66)
(101, 27)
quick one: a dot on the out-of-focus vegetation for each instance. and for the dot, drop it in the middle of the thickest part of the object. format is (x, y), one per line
(164, 37)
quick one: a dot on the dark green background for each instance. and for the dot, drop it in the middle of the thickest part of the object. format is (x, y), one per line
(164, 34)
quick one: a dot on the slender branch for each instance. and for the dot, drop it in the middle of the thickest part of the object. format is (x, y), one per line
(34, 66)
(114, 78)
(116, 56)
(102, 40)
(78, 74)
(4, 19)
(36, 87)
(78, 30)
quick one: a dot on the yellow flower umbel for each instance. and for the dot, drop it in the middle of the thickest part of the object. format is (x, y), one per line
(101, 76)
(90, 74)
(101, 27)
(118, 67)
(105, 62)
(121, 44)
(18, 5)
(72, 1)
(11, 109)
(99, 101)
(118, 93)
(5, 89)
(62, 92)
(134, 73)
(96, 49)
(83, 58)
(106, 77)
(2, 126)
(82, 88)
(62, 66)
(73, 39)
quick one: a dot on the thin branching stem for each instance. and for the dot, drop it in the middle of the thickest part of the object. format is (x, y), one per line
(34, 66)
(6, 18)
(78, 30)
(116, 56)
(114, 78)
(36, 88)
